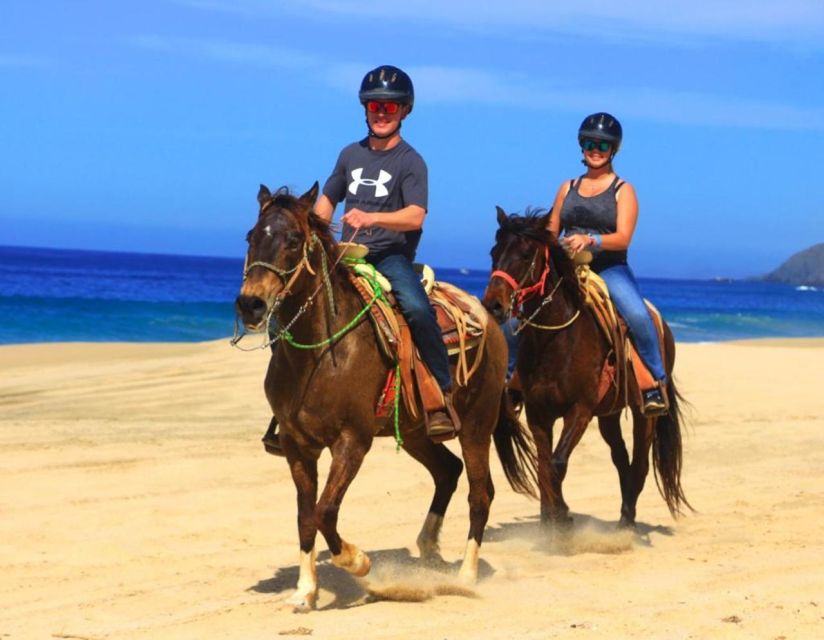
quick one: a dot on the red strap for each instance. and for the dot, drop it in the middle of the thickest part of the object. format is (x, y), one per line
(506, 277)
(523, 294)
(386, 402)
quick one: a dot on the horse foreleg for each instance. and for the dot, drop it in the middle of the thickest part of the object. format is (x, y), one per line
(347, 457)
(476, 457)
(610, 428)
(305, 476)
(542, 436)
(575, 423)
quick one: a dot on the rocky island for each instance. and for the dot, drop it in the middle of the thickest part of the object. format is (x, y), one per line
(804, 268)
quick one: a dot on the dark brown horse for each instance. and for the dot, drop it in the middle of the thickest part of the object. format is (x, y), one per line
(561, 356)
(325, 394)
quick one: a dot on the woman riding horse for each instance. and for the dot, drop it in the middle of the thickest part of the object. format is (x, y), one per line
(561, 363)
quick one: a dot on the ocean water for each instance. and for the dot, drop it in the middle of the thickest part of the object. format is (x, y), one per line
(49, 295)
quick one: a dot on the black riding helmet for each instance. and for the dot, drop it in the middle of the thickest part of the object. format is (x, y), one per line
(388, 84)
(601, 126)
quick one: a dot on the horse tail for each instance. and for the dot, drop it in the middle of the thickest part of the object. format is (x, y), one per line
(667, 454)
(516, 450)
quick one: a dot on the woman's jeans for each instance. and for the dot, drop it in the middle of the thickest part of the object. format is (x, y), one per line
(513, 341)
(415, 306)
(624, 291)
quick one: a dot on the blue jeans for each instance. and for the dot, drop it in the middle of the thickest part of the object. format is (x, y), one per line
(513, 341)
(415, 306)
(624, 291)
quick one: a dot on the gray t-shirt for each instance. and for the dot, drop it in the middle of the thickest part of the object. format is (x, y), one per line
(379, 181)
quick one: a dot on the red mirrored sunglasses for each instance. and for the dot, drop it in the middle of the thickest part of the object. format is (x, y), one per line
(374, 106)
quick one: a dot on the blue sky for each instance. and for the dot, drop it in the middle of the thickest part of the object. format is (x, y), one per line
(148, 126)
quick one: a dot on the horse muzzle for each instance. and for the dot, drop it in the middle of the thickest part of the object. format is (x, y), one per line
(252, 311)
(498, 312)
(496, 306)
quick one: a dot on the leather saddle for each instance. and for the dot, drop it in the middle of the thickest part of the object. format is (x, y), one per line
(461, 318)
(623, 369)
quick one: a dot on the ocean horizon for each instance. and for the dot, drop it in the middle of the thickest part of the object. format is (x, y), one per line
(68, 295)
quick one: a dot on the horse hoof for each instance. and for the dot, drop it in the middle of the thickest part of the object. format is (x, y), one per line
(625, 524)
(467, 578)
(361, 566)
(302, 602)
(352, 560)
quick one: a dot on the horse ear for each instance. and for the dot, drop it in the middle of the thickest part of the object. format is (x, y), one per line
(264, 195)
(501, 216)
(308, 198)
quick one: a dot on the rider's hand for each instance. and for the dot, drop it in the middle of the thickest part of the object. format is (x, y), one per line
(358, 219)
(576, 242)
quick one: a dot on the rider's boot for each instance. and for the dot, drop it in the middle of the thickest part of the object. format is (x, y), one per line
(271, 439)
(443, 424)
(655, 400)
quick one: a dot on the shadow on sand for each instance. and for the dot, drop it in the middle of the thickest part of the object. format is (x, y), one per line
(392, 565)
(586, 534)
(560, 540)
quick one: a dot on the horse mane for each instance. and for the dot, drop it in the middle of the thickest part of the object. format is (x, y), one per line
(532, 226)
(284, 198)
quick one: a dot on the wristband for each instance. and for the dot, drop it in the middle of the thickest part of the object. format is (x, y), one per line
(596, 237)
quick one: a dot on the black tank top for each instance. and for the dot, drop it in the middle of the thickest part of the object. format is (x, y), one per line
(596, 214)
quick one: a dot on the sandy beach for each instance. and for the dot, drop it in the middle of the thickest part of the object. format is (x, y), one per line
(137, 502)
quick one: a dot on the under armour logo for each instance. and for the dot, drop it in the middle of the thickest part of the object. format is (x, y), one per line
(380, 189)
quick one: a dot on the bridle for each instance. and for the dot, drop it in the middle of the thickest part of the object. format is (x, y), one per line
(295, 272)
(520, 294)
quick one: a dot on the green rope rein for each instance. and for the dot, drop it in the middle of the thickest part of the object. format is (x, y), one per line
(378, 294)
(396, 408)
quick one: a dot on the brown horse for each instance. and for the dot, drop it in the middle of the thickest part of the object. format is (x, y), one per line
(561, 356)
(325, 394)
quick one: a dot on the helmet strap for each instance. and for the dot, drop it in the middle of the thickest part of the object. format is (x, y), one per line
(607, 164)
(372, 134)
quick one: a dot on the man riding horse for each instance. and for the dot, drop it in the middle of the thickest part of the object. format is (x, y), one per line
(383, 183)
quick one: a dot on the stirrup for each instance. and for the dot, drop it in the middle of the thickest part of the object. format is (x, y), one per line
(655, 404)
(271, 439)
(439, 426)
(443, 424)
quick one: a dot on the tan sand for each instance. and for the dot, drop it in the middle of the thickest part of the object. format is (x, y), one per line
(137, 502)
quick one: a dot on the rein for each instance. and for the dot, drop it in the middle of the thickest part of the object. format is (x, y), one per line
(547, 327)
(378, 295)
(295, 272)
